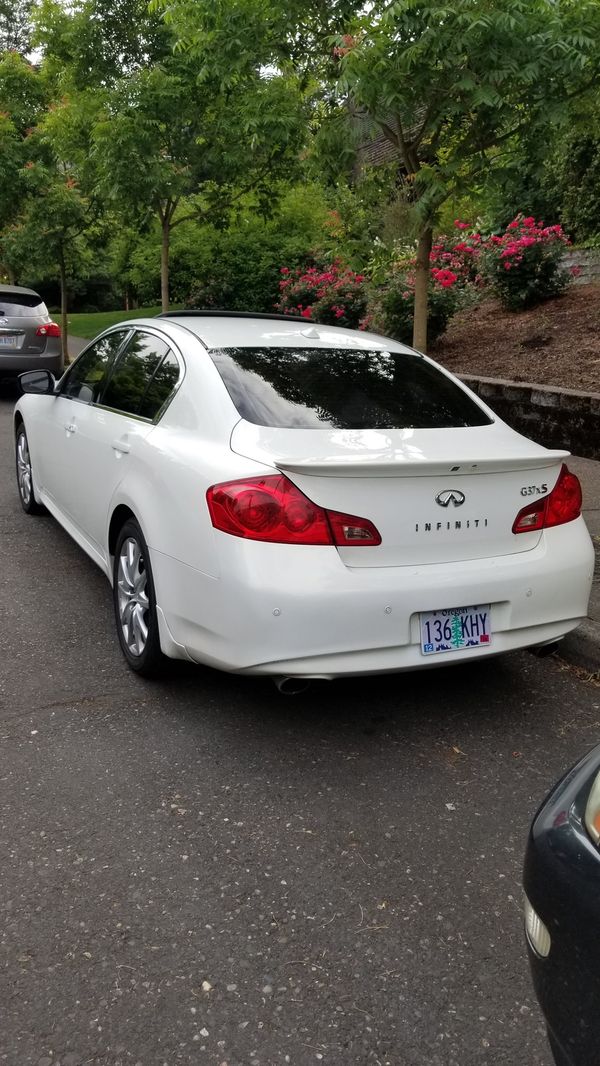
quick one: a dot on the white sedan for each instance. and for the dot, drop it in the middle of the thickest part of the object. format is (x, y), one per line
(269, 496)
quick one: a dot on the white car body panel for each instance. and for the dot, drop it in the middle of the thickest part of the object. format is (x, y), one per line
(307, 610)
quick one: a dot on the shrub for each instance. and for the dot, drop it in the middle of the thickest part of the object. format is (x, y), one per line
(525, 263)
(394, 305)
(461, 256)
(333, 295)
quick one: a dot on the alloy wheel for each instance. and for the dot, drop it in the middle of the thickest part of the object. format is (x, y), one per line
(132, 596)
(24, 469)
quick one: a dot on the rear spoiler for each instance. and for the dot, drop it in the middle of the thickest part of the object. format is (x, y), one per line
(402, 466)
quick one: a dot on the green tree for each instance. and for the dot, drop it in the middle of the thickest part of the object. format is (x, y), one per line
(170, 144)
(23, 99)
(450, 86)
(15, 26)
(93, 43)
(572, 170)
(52, 233)
(57, 220)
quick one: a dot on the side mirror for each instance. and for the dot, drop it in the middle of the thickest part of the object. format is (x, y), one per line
(37, 381)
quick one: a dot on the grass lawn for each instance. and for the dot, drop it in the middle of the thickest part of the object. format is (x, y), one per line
(88, 326)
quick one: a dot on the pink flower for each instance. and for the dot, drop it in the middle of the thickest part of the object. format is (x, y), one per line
(284, 270)
(461, 225)
(445, 278)
(307, 312)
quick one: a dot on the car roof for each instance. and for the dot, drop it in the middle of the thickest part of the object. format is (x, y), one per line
(19, 289)
(245, 330)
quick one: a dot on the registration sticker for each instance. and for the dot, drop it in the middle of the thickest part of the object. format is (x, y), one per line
(455, 629)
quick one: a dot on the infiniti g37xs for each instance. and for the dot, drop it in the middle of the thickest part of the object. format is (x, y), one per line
(270, 496)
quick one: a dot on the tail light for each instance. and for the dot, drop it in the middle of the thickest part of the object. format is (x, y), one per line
(51, 329)
(561, 505)
(273, 509)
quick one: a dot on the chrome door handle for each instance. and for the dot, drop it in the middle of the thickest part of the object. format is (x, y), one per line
(120, 446)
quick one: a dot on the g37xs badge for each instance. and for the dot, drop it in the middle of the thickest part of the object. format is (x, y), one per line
(534, 490)
(450, 496)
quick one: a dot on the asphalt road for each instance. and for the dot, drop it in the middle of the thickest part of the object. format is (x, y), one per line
(203, 871)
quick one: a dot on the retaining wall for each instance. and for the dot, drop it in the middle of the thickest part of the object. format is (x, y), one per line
(556, 418)
(588, 262)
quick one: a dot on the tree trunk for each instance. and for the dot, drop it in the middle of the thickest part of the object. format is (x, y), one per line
(164, 263)
(12, 277)
(421, 286)
(64, 322)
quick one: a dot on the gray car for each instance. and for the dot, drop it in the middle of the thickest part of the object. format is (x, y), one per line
(29, 339)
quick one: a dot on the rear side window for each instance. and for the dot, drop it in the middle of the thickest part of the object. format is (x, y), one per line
(143, 378)
(88, 374)
(22, 305)
(161, 386)
(312, 388)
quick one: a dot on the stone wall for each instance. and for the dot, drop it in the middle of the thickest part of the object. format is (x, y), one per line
(556, 418)
(588, 262)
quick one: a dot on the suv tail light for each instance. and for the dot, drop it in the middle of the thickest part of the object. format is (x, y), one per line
(51, 329)
(272, 509)
(561, 505)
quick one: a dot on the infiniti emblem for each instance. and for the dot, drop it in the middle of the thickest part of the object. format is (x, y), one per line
(449, 496)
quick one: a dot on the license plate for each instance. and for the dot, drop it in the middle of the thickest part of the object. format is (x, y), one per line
(455, 629)
(11, 342)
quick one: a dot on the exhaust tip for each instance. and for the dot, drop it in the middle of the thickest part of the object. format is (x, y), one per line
(542, 650)
(292, 686)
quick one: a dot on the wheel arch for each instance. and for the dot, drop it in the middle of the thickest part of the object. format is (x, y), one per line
(121, 514)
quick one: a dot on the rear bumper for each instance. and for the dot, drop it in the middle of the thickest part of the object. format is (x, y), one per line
(562, 882)
(299, 610)
(13, 365)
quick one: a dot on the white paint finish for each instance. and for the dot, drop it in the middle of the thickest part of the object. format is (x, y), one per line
(272, 608)
(389, 452)
(222, 332)
(332, 614)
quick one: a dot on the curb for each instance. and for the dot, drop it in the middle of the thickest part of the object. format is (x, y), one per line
(581, 646)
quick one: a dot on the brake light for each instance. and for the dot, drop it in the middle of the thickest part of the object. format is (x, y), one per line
(51, 329)
(272, 509)
(561, 505)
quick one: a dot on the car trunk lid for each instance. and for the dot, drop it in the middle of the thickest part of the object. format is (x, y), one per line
(434, 495)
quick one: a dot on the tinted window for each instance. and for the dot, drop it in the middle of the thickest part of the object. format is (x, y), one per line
(22, 305)
(137, 384)
(161, 386)
(328, 387)
(85, 380)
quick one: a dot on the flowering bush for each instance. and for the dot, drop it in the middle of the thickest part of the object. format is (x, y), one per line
(335, 296)
(525, 263)
(395, 305)
(460, 257)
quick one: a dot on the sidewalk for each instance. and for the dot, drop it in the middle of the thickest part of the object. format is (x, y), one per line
(75, 346)
(582, 647)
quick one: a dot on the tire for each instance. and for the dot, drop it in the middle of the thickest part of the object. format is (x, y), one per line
(134, 602)
(25, 474)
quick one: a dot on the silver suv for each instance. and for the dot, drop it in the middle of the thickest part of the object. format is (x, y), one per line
(29, 339)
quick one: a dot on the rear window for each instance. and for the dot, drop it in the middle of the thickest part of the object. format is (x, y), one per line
(21, 305)
(312, 388)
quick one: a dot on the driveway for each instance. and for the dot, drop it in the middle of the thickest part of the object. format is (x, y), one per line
(200, 870)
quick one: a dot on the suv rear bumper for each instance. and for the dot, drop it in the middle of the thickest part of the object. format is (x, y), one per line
(11, 365)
